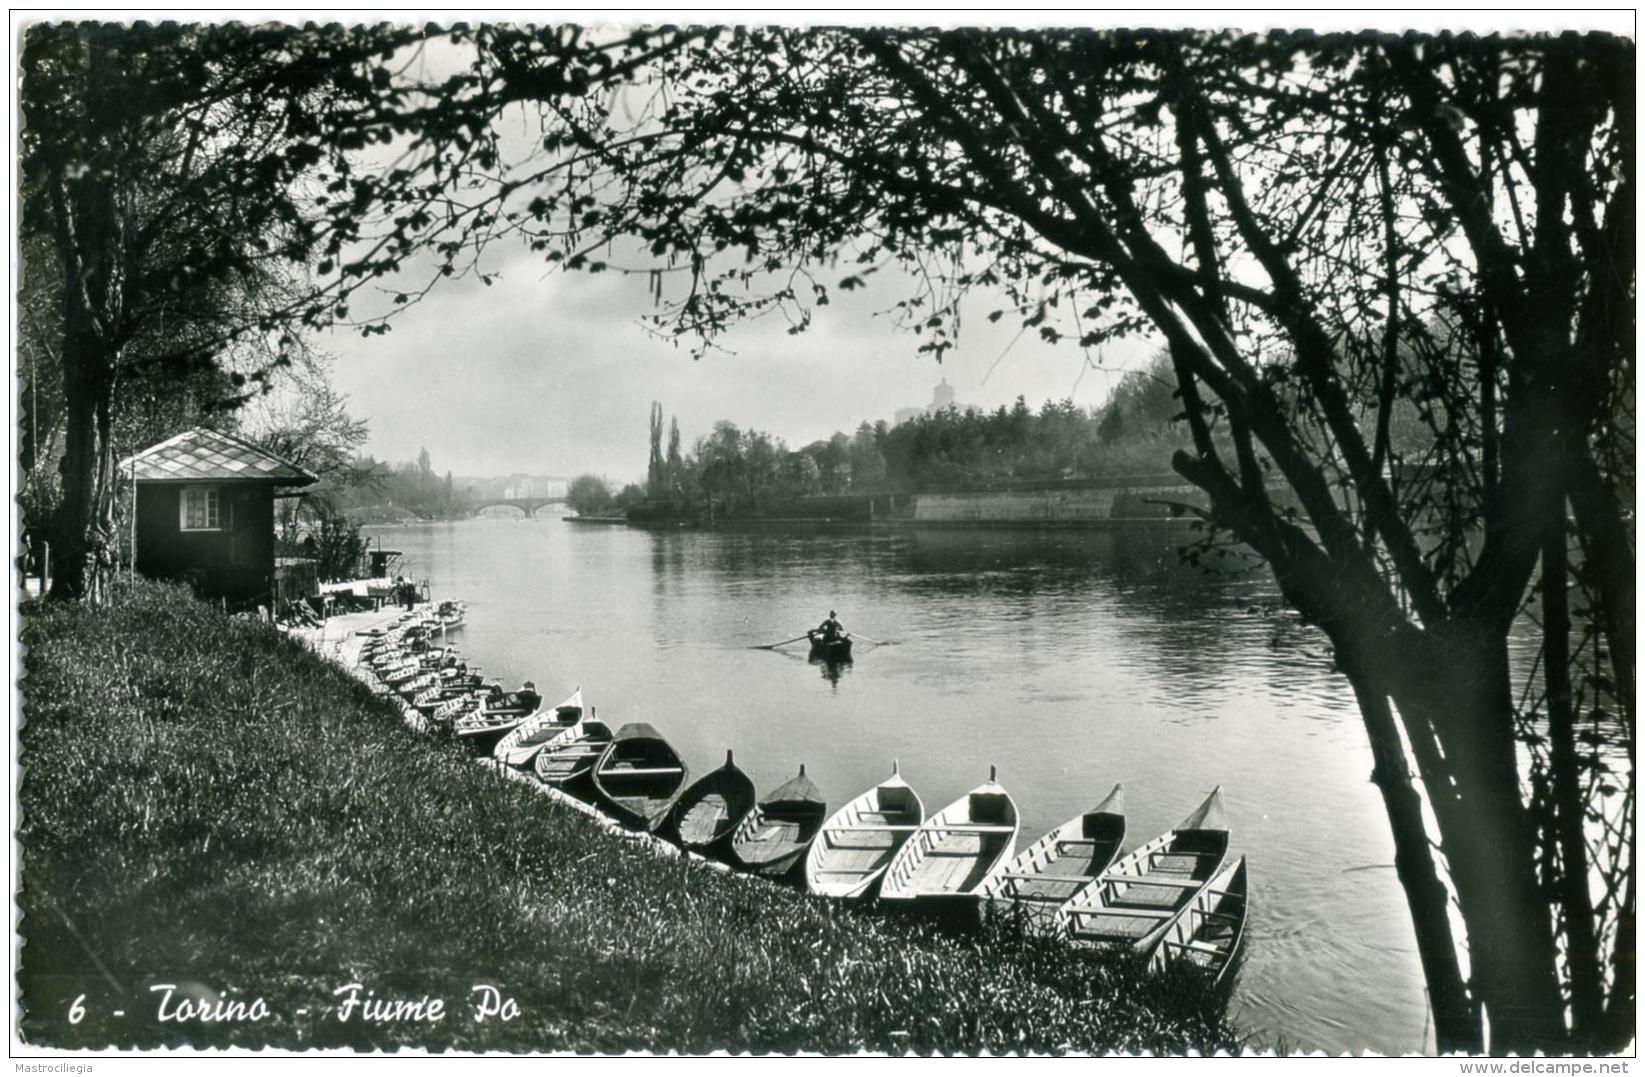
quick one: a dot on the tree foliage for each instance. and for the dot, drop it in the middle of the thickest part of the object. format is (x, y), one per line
(588, 495)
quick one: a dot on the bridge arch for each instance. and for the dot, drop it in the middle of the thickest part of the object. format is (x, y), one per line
(527, 505)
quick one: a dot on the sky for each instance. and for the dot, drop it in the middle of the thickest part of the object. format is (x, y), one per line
(549, 372)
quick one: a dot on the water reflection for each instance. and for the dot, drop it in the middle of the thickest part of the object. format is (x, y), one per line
(832, 671)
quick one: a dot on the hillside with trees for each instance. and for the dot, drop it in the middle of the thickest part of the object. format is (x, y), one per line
(1132, 434)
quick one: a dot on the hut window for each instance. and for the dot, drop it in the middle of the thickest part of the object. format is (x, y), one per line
(201, 509)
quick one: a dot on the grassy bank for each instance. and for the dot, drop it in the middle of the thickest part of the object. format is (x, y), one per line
(206, 804)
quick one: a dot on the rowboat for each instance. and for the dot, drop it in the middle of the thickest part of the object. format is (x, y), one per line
(522, 743)
(518, 705)
(570, 758)
(954, 852)
(857, 843)
(401, 674)
(829, 650)
(466, 702)
(483, 727)
(708, 812)
(1132, 904)
(1046, 875)
(773, 838)
(639, 776)
(1210, 930)
(409, 690)
(450, 614)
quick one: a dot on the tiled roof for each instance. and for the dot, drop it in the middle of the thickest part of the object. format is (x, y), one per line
(202, 455)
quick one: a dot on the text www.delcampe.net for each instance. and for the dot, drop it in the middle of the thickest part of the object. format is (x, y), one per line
(1544, 1069)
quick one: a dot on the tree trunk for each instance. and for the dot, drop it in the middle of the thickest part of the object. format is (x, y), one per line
(1459, 684)
(83, 530)
(91, 244)
(1456, 1020)
(1581, 945)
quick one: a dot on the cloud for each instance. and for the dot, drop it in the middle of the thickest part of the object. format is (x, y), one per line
(551, 372)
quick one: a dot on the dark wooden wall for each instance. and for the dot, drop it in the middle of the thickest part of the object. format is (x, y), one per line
(236, 563)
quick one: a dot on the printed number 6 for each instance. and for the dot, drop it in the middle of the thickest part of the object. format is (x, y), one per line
(77, 1012)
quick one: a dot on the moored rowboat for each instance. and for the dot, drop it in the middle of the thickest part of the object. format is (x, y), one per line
(639, 776)
(570, 758)
(952, 853)
(483, 727)
(1047, 874)
(773, 838)
(1133, 903)
(708, 811)
(522, 743)
(857, 843)
(1210, 931)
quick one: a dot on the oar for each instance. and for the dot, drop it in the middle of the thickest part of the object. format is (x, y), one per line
(772, 646)
(871, 639)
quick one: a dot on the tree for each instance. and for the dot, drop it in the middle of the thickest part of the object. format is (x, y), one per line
(1293, 216)
(656, 480)
(201, 191)
(338, 549)
(673, 464)
(867, 462)
(588, 495)
(155, 168)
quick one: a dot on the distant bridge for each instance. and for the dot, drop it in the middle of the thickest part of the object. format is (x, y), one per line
(527, 505)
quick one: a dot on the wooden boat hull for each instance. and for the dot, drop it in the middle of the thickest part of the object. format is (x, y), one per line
(858, 842)
(1133, 904)
(838, 650)
(1046, 875)
(639, 777)
(1209, 933)
(708, 812)
(953, 853)
(521, 744)
(569, 765)
(482, 739)
(772, 840)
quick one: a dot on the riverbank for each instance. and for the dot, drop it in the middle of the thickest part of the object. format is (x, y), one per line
(1094, 504)
(208, 804)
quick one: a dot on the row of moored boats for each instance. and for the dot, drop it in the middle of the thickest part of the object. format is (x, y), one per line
(1175, 899)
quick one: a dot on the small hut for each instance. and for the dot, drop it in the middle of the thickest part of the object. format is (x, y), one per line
(205, 512)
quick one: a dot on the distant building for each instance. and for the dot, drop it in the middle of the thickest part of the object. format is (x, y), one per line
(205, 513)
(942, 398)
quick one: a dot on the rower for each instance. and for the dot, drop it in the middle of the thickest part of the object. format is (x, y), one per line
(831, 629)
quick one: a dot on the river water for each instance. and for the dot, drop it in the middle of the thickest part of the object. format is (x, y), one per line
(1070, 660)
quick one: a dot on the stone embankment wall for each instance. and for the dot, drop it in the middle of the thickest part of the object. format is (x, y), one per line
(1063, 507)
(1072, 503)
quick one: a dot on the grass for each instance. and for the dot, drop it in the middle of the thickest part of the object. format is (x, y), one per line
(206, 804)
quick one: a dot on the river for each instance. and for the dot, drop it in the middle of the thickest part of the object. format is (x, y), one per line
(1071, 660)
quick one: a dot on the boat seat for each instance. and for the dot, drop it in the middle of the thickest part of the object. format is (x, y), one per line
(1104, 910)
(973, 828)
(1150, 880)
(880, 827)
(1064, 880)
(1063, 843)
(617, 772)
(1197, 947)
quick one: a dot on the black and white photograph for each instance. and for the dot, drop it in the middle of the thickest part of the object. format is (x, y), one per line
(931, 533)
